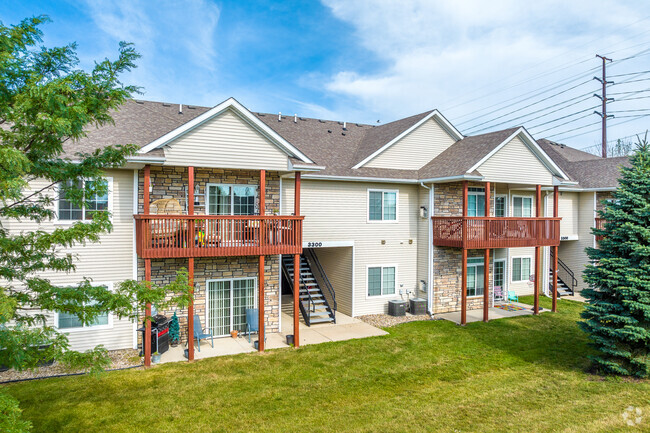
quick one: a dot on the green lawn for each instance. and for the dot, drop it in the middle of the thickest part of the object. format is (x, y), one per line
(525, 374)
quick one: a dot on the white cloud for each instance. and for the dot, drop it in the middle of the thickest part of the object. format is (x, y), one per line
(162, 34)
(437, 53)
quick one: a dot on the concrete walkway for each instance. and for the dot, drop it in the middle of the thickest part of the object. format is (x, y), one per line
(494, 313)
(346, 328)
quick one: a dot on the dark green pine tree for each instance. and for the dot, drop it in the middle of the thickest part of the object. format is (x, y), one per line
(618, 313)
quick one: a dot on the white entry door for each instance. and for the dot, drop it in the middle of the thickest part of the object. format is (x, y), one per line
(499, 283)
(227, 301)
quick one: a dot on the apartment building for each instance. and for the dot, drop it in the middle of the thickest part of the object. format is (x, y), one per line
(364, 213)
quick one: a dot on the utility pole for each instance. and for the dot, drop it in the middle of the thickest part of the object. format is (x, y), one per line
(604, 99)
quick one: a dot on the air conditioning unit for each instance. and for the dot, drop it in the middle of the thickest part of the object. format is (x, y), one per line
(396, 308)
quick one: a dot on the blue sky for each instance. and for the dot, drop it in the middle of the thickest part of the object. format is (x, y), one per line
(481, 63)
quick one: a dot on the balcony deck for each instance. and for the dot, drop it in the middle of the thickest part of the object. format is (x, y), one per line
(495, 232)
(171, 236)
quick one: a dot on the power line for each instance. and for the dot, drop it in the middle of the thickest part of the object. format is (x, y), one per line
(574, 129)
(563, 117)
(630, 73)
(534, 103)
(589, 132)
(565, 123)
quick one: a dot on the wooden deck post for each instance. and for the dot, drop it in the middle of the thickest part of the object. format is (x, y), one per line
(190, 264)
(261, 314)
(486, 260)
(296, 270)
(147, 272)
(555, 249)
(538, 280)
(463, 288)
(147, 313)
(190, 310)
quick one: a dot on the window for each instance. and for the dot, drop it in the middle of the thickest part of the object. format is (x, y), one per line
(382, 205)
(381, 280)
(71, 322)
(69, 211)
(476, 202)
(522, 207)
(500, 202)
(475, 271)
(520, 268)
(231, 199)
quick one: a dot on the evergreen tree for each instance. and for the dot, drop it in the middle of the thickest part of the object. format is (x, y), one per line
(174, 330)
(618, 313)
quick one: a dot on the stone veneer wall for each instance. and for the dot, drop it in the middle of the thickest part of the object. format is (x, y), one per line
(163, 271)
(447, 264)
(600, 196)
(171, 182)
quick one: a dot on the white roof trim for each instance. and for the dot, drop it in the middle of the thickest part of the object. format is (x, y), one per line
(530, 142)
(358, 179)
(451, 178)
(435, 113)
(231, 103)
(305, 167)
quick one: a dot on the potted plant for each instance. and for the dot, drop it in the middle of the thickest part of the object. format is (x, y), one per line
(233, 333)
(155, 357)
(174, 331)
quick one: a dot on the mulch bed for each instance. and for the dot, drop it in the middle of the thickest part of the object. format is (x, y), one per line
(385, 321)
(120, 359)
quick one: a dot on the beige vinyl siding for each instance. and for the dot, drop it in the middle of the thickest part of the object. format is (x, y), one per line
(337, 264)
(416, 149)
(226, 141)
(568, 210)
(572, 253)
(338, 211)
(525, 287)
(109, 261)
(515, 163)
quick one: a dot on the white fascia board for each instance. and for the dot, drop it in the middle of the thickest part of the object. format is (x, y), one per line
(435, 113)
(303, 167)
(607, 189)
(358, 179)
(231, 103)
(531, 143)
(453, 178)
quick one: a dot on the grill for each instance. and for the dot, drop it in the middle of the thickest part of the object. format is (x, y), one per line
(159, 334)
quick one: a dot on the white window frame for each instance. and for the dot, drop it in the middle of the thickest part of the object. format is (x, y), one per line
(232, 196)
(532, 205)
(382, 220)
(474, 265)
(231, 280)
(109, 193)
(86, 328)
(505, 202)
(390, 295)
(512, 268)
(477, 194)
(504, 288)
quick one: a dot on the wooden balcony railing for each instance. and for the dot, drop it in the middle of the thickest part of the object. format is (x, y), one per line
(495, 232)
(163, 236)
(600, 225)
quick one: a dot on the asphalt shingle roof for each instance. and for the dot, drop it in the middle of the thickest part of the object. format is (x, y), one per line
(328, 144)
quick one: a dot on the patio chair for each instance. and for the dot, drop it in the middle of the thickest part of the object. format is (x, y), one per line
(512, 296)
(252, 321)
(201, 333)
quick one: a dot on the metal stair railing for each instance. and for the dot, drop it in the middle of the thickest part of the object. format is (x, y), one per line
(565, 274)
(314, 263)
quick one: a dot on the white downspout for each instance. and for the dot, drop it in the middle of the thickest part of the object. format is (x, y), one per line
(430, 297)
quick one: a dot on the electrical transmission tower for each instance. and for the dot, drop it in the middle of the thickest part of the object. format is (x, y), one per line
(604, 99)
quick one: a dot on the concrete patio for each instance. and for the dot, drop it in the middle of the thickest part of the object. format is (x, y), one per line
(494, 314)
(346, 328)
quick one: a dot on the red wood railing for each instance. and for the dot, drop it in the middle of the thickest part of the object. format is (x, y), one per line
(600, 225)
(162, 236)
(493, 232)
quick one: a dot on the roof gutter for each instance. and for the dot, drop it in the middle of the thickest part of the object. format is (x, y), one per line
(358, 179)
(452, 178)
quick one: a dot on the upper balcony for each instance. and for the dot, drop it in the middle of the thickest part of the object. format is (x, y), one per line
(171, 236)
(495, 232)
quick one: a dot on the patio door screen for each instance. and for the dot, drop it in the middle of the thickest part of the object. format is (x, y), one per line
(227, 303)
(499, 280)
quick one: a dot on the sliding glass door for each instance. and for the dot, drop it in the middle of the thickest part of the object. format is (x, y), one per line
(227, 301)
